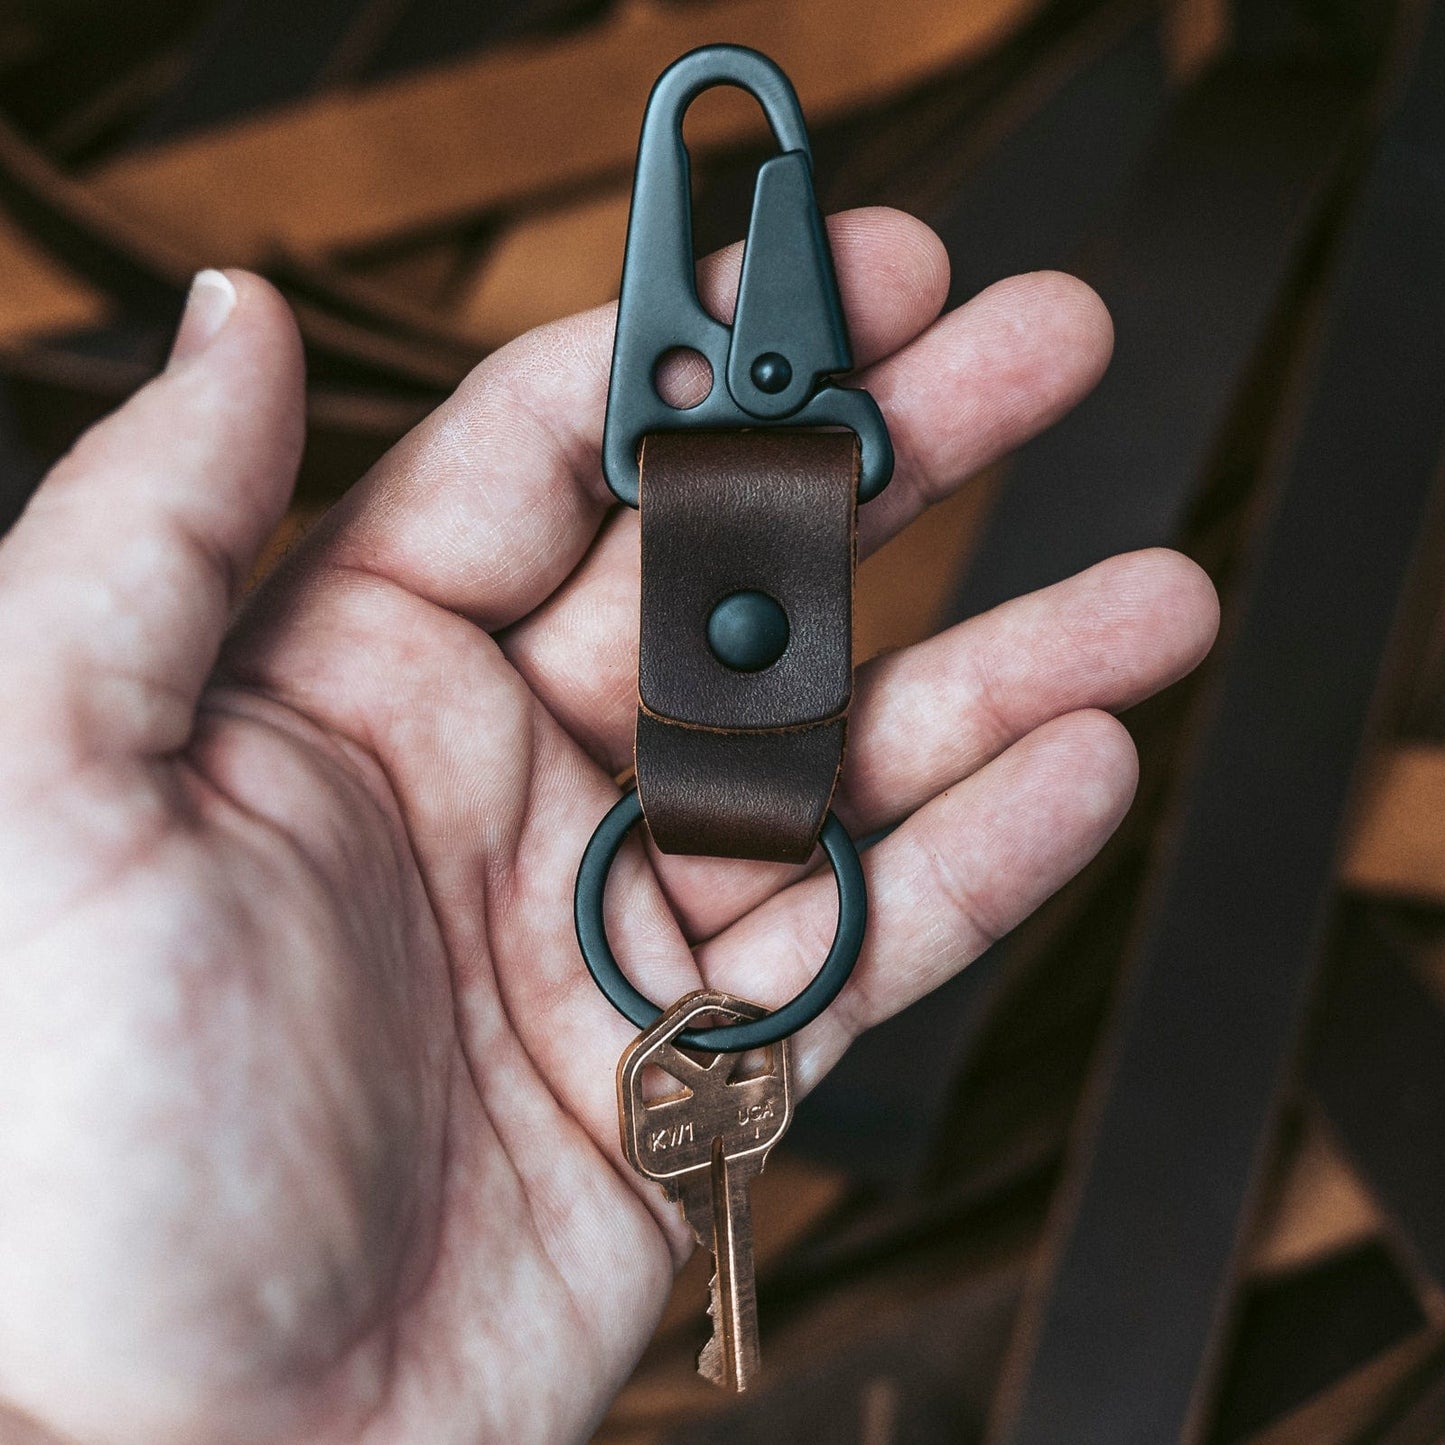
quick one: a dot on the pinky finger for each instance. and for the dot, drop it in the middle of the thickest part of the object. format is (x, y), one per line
(964, 870)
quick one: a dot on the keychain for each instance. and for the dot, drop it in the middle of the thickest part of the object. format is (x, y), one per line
(748, 505)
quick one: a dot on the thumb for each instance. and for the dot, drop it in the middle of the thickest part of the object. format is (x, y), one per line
(118, 580)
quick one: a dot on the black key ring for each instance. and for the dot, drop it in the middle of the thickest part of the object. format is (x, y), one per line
(730, 1038)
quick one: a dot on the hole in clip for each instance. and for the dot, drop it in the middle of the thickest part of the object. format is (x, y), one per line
(682, 377)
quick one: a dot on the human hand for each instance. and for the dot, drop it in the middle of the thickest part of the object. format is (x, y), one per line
(307, 1115)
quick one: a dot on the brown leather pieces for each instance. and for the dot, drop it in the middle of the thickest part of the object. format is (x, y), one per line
(729, 762)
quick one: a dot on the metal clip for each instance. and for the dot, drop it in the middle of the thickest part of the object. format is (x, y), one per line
(772, 365)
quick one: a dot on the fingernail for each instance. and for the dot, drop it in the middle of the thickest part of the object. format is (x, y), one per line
(212, 299)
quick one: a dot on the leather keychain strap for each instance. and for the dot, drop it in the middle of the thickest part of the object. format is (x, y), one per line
(748, 503)
(745, 659)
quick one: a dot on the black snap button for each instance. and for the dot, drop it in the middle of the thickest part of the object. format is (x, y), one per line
(748, 631)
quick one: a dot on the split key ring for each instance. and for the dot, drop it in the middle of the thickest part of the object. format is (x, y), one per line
(730, 1038)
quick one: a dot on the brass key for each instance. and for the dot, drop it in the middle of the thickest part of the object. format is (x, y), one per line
(703, 1145)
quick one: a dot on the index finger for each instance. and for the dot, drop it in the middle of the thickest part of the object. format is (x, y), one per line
(492, 501)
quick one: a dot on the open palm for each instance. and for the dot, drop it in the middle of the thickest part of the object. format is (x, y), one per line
(307, 1112)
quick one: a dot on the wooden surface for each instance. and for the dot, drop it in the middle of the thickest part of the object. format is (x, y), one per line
(1398, 848)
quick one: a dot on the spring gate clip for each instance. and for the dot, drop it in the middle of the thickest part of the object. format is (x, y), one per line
(748, 504)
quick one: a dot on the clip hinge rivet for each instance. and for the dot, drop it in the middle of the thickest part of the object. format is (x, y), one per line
(771, 373)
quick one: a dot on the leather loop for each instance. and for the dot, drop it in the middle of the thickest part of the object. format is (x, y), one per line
(730, 762)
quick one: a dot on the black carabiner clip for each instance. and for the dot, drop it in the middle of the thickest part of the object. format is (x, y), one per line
(773, 365)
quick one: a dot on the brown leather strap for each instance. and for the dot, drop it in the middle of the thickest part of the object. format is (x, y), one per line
(729, 762)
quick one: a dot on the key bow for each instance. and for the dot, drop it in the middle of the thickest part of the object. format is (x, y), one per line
(749, 1115)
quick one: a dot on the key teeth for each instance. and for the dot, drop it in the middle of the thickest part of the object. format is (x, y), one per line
(710, 1364)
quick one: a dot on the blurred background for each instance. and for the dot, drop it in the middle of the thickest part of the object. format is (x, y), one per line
(1168, 1163)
